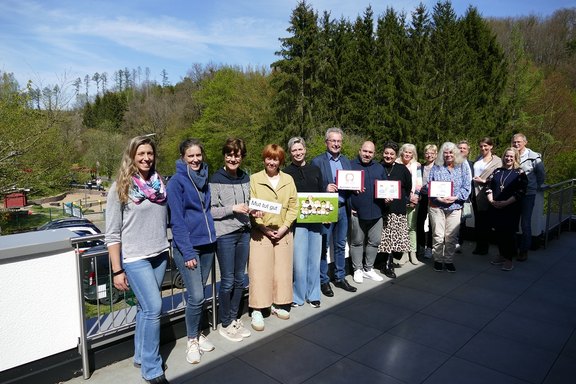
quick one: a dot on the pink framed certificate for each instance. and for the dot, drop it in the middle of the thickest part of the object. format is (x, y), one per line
(350, 180)
(440, 188)
(387, 189)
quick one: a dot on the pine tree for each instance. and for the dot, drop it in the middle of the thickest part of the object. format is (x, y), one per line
(294, 74)
(487, 77)
(390, 43)
(450, 86)
(419, 76)
(359, 79)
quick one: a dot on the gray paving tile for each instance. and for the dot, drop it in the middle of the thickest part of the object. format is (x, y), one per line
(485, 296)
(457, 370)
(400, 358)
(547, 336)
(469, 315)
(291, 360)
(563, 371)
(434, 332)
(337, 333)
(375, 313)
(570, 347)
(557, 290)
(543, 310)
(405, 297)
(501, 282)
(508, 356)
(439, 283)
(346, 371)
(233, 371)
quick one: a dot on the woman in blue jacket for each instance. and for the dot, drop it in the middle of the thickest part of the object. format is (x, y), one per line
(194, 236)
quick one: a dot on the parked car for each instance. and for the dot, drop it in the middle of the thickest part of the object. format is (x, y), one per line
(96, 277)
(73, 224)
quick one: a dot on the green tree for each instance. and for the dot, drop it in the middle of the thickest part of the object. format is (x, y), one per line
(487, 72)
(450, 86)
(417, 97)
(107, 111)
(234, 104)
(358, 80)
(30, 145)
(390, 77)
(294, 75)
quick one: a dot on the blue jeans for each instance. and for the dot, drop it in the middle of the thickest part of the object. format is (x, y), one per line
(195, 281)
(337, 233)
(526, 222)
(145, 278)
(365, 239)
(232, 253)
(307, 249)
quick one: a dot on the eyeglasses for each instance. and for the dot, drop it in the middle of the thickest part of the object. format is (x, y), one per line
(232, 156)
(334, 141)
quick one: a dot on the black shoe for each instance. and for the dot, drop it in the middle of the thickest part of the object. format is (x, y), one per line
(326, 289)
(343, 284)
(450, 267)
(158, 380)
(522, 256)
(438, 267)
(388, 272)
(315, 304)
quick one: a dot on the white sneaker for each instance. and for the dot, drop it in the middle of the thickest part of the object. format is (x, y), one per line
(359, 276)
(428, 253)
(193, 353)
(373, 275)
(205, 344)
(280, 313)
(240, 328)
(257, 321)
(230, 332)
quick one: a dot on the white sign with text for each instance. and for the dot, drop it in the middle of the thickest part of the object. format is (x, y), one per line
(265, 206)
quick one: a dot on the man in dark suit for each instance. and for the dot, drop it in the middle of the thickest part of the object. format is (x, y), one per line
(329, 163)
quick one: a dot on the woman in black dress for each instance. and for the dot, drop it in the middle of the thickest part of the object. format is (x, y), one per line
(395, 239)
(505, 189)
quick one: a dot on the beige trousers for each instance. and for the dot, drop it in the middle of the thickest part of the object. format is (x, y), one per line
(270, 270)
(445, 228)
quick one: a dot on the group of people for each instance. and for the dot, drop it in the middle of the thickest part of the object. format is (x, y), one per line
(287, 260)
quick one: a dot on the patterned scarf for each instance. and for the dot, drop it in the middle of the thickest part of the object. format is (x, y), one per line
(152, 189)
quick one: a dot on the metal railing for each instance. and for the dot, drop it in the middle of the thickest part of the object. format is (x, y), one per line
(107, 315)
(559, 207)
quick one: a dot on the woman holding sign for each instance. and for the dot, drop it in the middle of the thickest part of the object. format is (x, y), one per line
(271, 242)
(230, 191)
(307, 236)
(450, 184)
(395, 240)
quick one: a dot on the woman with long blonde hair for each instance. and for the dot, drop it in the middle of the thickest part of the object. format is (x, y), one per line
(136, 237)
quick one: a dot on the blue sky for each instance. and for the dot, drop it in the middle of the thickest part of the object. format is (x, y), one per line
(52, 42)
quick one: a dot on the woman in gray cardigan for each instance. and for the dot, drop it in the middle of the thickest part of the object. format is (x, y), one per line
(136, 221)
